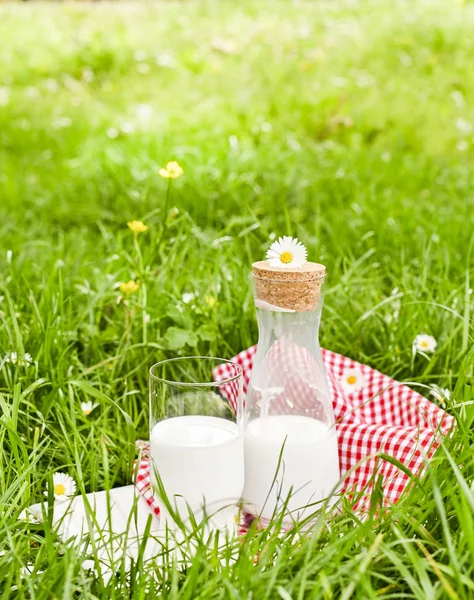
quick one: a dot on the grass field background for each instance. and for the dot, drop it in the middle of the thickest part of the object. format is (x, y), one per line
(347, 124)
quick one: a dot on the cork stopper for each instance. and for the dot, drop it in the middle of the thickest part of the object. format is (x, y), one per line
(291, 289)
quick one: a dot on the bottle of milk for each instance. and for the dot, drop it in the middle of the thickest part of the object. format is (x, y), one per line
(291, 455)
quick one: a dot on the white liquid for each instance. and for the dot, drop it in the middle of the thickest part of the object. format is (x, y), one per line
(309, 464)
(201, 459)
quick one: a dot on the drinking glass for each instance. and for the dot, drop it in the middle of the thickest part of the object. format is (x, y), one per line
(196, 440)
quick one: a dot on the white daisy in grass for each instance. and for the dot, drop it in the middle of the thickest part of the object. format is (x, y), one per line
(11, 357)
(188, 297)
(88, 407)
(28, 515)
(63, 486)
(287, 253)
(15, 359)
(440, 394)
(424, 343)
(353, 380)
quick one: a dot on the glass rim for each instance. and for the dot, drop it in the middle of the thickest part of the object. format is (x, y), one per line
(196, 384)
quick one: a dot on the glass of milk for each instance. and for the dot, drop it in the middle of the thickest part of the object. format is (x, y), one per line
(196, 440)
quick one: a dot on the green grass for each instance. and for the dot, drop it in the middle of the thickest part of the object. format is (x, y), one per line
(347, 124)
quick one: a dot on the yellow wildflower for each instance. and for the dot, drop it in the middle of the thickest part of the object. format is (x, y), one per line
(210, 301)
(172, 171)
(137, 226)
(129, 288)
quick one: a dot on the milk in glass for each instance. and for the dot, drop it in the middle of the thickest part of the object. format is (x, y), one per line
(201, 465)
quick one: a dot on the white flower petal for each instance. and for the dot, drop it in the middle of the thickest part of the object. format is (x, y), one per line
(188, 297)
(64, 486)
(288, 245)
(353, 381)
(440, 394)
(424, 343)
(88, 407)
(272, 254)
(274, 263)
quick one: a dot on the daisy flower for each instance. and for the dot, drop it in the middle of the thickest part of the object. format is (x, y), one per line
(440, 394)
(130, 287)
(172, 171)
(287, 253)
(13, 358)
(424, 343)
(188, 297)
(353, 380)
(28, 515)
(63, 486)
(137, 227)
(88, 407)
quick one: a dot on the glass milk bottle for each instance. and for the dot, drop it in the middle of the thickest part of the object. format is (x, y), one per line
(291, 455)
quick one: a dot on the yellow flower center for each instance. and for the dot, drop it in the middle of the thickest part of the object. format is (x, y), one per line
(59, 489)
(286, 257)
(87, 411)
(424, 344)
(351, 379)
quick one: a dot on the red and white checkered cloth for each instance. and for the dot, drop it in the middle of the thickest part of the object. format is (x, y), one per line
(383, 417)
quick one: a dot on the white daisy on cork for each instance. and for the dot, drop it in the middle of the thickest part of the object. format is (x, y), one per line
(287, 253)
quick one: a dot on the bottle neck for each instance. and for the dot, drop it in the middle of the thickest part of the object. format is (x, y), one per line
(300, 328)
(288, 375)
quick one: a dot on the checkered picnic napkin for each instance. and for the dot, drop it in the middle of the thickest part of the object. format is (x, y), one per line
(383, 417)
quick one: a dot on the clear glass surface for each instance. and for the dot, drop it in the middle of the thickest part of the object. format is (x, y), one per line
(288, 374)
(291, 454)
(196, 441)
